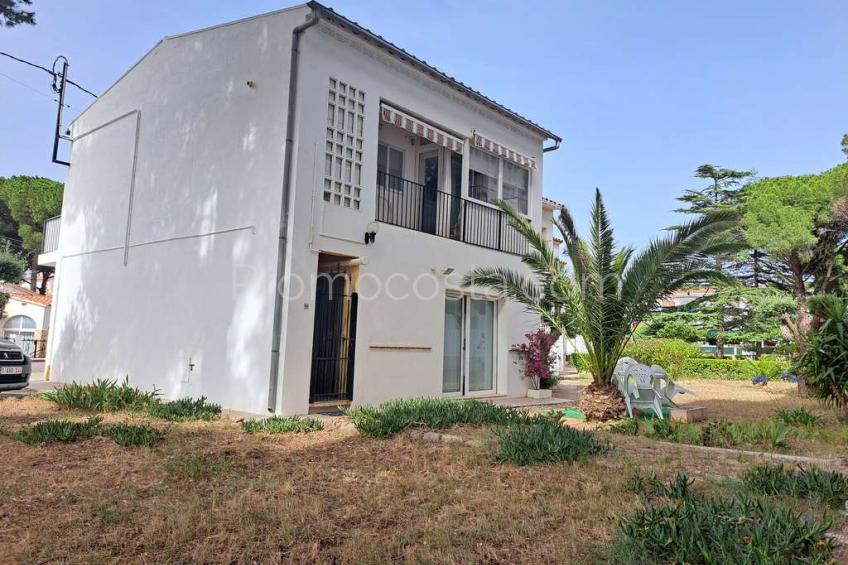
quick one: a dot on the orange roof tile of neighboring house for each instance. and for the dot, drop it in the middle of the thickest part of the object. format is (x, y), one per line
(20, 293)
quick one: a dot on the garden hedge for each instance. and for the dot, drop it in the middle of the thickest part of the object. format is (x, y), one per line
(681, 362)
(670, 354)
(731, 369)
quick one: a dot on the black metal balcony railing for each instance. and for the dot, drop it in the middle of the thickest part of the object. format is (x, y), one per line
(412, 205)
(51, 234)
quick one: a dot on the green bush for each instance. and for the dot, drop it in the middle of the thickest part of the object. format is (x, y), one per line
(103, 395)
(797, 416)
(436, 413)
(650, 486)
(12, 265)
(730, 369)
(185, 409)
(282, 425)
(580, 361)
(682, 361)
(824, 363)
(64, 431)
(541, 440)
(627, 427)
(131, 434)
(718, 433)
(109, 396)
(825, 487)
(670, 354)
(679, 526)
(680, 330)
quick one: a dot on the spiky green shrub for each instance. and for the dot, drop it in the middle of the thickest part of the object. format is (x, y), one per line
(824, 363)
(64, 431)
(797, 416)
(132, 434)
(282, 425)
(627, 427)
(826, 487)
(185, 409)
(680, 526)
(718, 433)
(102, 395)
(649, 486)
(436, 413)
(541, 440)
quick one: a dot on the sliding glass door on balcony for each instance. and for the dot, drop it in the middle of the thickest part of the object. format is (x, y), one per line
(469, 352)
(428, 178)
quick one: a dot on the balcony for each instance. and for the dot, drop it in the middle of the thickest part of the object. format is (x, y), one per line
(50, 242)
(408, 204)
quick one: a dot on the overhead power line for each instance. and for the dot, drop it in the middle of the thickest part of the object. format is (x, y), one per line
(51, 72)
(29, 87)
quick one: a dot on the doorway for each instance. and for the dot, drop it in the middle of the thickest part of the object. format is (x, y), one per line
(469, 349)
(428, 178)
(334, 331)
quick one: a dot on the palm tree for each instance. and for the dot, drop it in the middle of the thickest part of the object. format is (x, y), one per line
(604, 292)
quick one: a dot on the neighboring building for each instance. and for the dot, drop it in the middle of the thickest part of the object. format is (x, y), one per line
(26, 319)
(683, 296)
(184, 205)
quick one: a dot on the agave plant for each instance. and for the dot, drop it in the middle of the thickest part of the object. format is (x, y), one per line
(602, 291)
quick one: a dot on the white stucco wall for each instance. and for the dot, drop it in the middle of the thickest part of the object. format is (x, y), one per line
(382, 374)
(180, 270)
(198, 283)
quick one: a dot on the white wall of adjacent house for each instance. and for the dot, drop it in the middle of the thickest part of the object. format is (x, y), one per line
(26, 324)
(168, 249)
(168, 243)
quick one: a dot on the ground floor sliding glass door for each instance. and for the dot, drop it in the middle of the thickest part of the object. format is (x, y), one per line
(469, 353)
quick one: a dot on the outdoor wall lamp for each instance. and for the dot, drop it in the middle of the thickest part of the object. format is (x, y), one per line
(371, 232)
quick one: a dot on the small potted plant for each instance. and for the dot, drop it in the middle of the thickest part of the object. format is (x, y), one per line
(536, 359)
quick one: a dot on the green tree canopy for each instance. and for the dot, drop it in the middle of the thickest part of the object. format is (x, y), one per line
(782, 213)
(12, 13)
(802, 221)
(733, 314)
(723, 192)
(25, 204)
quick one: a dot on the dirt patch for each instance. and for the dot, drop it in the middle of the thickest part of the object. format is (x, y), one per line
(212, 493)
(740, 400)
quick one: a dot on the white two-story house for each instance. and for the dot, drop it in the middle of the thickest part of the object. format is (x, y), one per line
(276, 213)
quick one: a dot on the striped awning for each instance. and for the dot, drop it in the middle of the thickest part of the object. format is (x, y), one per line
(501, 151)
(402, 120)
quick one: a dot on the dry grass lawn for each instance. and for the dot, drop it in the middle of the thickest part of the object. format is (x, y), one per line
(212, 493)
(742, 401)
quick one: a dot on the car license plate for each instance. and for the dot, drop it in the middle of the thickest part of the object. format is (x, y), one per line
(11, 370)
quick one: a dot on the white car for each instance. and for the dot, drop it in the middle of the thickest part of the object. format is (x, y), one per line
(15, 367)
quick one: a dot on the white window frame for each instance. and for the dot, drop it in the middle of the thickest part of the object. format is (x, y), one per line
(403, 167)
(464, 391)
(500, 182)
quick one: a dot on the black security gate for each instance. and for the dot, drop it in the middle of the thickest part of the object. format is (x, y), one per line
(333, 344)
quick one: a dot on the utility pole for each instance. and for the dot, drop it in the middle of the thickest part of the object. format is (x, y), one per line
(60, 90)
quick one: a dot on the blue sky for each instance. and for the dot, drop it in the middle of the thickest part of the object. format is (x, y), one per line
(642, 92)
